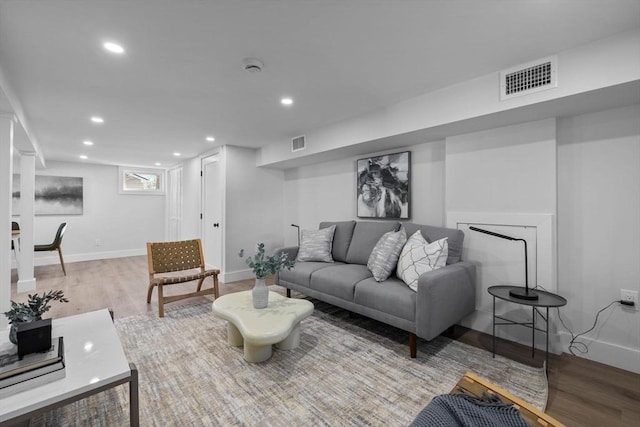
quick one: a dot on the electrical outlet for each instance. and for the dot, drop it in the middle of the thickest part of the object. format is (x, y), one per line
(631, 296)
(98, 242)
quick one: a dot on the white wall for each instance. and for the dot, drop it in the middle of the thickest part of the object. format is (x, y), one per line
(254, 208)
(123, 223)
(582, 172)
(504, 180)
(599, 229)
(327, 191)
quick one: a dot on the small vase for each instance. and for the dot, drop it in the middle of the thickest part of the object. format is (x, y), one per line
(260, 294)
(13, 333)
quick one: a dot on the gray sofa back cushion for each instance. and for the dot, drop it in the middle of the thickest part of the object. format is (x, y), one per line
(365, 236)
(431, 233)
(341, 238)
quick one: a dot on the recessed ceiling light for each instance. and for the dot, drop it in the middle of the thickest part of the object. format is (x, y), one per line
(177, 154)
(158, 164)
(286, 101)
(113, 47)
(83, 157)
(97, 119)
(87, 142)
(210, 139)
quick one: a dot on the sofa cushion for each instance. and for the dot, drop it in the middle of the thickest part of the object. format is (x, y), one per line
(341, 238)
(315, 245)
(365, 236)
(431, 233)
(384, 256)
(339, 280)
(301, 272)
(391, 296)
(419, 256)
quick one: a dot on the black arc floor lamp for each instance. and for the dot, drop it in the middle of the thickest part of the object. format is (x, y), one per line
(521, 293)
(298, 227)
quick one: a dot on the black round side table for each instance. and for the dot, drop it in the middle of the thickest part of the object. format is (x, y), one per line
(545, 300)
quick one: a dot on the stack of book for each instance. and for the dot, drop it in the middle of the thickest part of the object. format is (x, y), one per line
(32, 370)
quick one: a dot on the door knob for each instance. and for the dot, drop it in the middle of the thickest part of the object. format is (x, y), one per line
(216, 224)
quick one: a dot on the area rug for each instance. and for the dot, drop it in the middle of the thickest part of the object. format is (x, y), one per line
(347, 371)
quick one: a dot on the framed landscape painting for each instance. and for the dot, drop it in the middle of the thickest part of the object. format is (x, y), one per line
(383, 186)
(54, 195)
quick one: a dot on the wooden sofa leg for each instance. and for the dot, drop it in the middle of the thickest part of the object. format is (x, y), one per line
(288, 293)
(413, 345)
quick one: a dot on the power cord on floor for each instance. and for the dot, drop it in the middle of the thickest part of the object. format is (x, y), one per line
(574, 344)
(580, 346)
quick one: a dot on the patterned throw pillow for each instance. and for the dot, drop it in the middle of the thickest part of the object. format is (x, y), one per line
(385, 253)
(315, 245)
(419, 256)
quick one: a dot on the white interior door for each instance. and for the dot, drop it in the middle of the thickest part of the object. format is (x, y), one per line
(174, 190)
(212, 211)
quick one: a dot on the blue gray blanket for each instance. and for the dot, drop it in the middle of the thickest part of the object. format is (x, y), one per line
(468, 411)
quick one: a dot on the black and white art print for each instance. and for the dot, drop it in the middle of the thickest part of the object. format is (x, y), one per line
(54, 195)
(383, 186)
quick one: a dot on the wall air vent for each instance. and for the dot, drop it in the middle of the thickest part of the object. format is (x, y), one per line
(297, 143)
(529, 78)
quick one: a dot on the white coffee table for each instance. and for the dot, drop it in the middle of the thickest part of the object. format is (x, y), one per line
(94, 362)
(259, 329)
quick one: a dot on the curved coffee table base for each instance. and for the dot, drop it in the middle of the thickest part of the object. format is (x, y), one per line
(258, 330)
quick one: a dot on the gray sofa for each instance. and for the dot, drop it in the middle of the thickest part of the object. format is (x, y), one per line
(443, 298)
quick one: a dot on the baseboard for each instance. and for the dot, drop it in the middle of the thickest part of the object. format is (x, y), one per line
(610, 354)
(599, 351)
(235, 276)
(89, 256)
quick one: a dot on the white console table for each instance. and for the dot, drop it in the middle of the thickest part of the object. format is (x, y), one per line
(94, 362)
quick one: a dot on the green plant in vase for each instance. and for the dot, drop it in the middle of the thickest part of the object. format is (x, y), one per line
(32, 310)
(263, 266)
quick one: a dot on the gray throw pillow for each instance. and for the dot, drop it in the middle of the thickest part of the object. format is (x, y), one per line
(384, 256)
(315, 245)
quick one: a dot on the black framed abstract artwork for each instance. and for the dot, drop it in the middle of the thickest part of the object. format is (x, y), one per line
(383, 186)
(54, 195)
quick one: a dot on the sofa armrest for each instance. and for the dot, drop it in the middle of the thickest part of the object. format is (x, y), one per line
(444, 297)
(291, 251)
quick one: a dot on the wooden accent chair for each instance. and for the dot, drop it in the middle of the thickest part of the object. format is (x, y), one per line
(55, 245)
(172, 257)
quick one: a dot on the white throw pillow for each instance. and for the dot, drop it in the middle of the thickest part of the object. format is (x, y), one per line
(419, 256)
(316, 245)
(385, 253)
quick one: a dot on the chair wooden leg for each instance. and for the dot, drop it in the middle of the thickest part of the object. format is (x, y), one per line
(200, 284)
(288, 293)
(413, 345)
(62, 261)
(216, 292)
(160, 301)
(150, 292)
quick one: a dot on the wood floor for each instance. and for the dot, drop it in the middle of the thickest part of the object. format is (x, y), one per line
(581, 392)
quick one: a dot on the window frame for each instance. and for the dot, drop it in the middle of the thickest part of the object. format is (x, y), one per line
(123, 170)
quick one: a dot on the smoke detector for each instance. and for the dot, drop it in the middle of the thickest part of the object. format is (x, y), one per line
(252, 65)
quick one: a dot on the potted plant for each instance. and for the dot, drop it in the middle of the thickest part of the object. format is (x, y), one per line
(263, 266)
(31, 311)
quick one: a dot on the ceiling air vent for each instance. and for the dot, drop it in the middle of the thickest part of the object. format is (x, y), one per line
(529, 78)
(297, 143)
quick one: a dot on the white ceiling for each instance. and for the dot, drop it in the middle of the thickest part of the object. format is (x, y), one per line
(182, 77)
